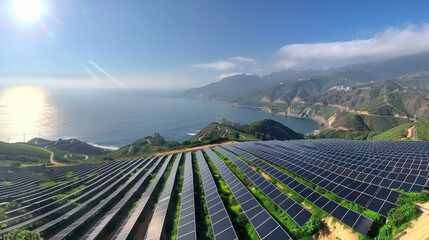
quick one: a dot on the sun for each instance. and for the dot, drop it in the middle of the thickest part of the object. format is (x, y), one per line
(27, 10)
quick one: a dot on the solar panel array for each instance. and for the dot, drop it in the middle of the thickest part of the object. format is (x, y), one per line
(187, 224)
(157, 222)
(98, 190)
(136, 212)
(107, 218)
(297, 212)
(221, 223)
(87, 198)
(264, 224)
(326, 175)
(349, 217)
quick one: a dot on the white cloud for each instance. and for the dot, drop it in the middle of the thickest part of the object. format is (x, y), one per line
(225, 75)
(242, 59)
(219, 65)
(393, 42)
(231, 63)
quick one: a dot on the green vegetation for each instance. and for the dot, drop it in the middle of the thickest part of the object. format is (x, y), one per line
(399, 218)
(18, 234)
(72, 145)
(47, 183)
(14, 154)
(69, 174)
(241, 224)
(64, 194)
(8, 183)
(265, 129)
(349, 135)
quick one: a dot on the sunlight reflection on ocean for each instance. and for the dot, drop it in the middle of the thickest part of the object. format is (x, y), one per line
(25, 113)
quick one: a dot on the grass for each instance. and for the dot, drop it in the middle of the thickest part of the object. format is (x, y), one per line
(91, 175)
(47, 183)
(63, 195)
(69, 174)
(23, 154)
(8, 183)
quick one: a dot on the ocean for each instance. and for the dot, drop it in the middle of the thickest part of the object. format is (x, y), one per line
(114, 118)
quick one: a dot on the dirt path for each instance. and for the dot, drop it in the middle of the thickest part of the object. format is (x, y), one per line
(335, 230)
(193, 148)
(410, 132)
(52, 160)
(418, 228)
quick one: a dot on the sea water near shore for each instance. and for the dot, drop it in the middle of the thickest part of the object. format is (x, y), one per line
(118, 117)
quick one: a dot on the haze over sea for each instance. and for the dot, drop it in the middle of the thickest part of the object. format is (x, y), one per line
(117, 117)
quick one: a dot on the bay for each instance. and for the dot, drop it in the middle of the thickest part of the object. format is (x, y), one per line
(117, 117)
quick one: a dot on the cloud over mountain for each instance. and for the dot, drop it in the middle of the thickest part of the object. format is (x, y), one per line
(393, 42)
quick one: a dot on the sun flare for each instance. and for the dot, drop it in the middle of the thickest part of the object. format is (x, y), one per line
(27, 10)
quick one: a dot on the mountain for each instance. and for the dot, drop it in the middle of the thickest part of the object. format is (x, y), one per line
(67, 145)
(227, 86)
(361, 97)
(265, 129)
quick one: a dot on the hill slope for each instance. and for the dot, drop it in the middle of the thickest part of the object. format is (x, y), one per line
(68, 145)
(17, 154)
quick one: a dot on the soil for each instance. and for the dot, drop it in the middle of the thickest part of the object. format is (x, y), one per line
(335, 231)
(418, 229)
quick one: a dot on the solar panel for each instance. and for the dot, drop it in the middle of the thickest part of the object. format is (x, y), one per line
(264, 225)
(221, 224)
(128, 225)
(157, 222)
(299, 213)
(187, 226)
(324, 203)
(341, 186)
(101, 224)
(68, 209)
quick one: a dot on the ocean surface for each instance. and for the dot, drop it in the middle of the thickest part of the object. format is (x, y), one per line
(114, 118)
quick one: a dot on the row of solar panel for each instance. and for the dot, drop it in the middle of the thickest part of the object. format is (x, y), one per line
(187, 224)
(130, 222)
(296, 211)
(263, 223)
(303, 171)
(157, 222)
(351, 218)
(366, 174)
(221, 223)
(41, 213)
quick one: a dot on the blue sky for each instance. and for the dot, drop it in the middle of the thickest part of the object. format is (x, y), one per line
(153, 44)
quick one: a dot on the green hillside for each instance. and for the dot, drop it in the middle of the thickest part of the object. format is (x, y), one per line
(71, 145)
(17, 154)
(401, 132)
(265, 129)
(216, 130)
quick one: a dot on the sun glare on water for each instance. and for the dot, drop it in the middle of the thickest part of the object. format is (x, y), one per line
(23, 110)
(27, 10)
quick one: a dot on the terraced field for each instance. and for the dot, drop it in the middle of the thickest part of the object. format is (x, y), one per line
(250, 190)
